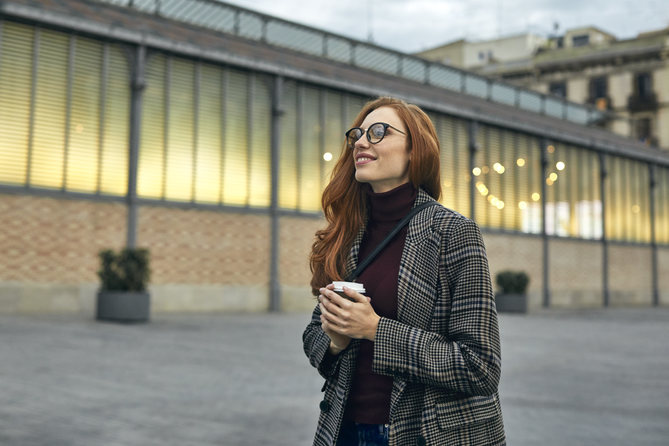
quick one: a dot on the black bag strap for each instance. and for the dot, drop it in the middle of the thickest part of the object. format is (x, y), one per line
(407, 218)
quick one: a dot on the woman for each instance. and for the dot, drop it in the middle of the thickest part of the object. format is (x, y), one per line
(416, 360)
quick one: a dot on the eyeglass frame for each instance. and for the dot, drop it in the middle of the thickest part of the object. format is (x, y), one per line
(366, 133)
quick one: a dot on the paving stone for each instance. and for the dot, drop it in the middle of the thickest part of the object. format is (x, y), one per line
(589, 377)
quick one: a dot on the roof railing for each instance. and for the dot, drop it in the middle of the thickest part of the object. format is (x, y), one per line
(242, 22)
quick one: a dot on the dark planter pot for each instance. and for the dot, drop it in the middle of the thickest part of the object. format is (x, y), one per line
(511, 303)
(123, 306)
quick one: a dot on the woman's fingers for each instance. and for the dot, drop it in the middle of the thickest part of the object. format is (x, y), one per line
(331, 314)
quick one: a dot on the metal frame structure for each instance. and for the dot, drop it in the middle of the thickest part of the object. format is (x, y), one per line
(224, 17)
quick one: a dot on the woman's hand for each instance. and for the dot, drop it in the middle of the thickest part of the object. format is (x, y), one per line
(343, 319)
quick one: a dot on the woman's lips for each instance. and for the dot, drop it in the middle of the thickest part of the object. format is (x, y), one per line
(363, 159)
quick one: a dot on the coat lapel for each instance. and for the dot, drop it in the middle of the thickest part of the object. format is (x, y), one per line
(416, 286)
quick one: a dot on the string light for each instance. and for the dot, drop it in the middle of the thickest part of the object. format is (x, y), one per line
(327, 156)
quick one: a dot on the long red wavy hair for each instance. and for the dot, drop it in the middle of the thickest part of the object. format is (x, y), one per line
(344, 203)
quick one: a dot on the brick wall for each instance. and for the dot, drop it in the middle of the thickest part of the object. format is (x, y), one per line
(207, 260)
(204, 260)
(630, 275)
(519, 254)
(296, 238)
(575, 273)
(49, 251)
(54, 240)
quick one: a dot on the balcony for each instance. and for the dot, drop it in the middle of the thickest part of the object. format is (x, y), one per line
(638, 103)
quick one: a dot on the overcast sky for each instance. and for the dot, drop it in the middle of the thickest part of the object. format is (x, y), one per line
(414, 25)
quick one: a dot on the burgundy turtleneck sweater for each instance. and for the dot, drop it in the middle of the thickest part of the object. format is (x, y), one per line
(369, 398)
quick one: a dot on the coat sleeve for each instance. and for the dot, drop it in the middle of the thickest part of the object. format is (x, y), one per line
(466, 359)
(316, 345)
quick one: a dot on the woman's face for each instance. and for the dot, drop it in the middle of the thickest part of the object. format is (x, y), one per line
(384, 165)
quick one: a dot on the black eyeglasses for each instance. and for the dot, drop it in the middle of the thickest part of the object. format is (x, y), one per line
(375, 133)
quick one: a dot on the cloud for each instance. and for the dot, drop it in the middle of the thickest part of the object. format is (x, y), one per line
(412, 25)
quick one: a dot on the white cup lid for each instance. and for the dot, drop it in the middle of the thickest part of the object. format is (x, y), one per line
(339, 286)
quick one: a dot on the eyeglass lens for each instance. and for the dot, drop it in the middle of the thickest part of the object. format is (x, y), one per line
(375, 134)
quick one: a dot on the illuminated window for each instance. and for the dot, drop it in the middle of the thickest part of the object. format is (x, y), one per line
(15, 89)
(206, 134)
(455, 175)
(78, 140)
(662, 205)
(312, 138)
(628, 192)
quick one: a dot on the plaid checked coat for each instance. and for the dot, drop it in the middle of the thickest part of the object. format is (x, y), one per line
(443, 350)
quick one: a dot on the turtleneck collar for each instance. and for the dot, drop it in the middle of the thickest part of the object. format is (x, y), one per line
(392, 205)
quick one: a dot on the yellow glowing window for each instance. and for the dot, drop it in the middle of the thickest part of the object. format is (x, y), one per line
(208, 153)
(115, 136)
(288, 161)
(84, 120)
(260, 169)
(48, 144)
(180, 150)
(235, 174)
(15, 83)
(310, 157)
(150, 176)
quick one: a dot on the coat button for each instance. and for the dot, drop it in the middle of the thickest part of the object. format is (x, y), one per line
(420, 441)
(324, 406)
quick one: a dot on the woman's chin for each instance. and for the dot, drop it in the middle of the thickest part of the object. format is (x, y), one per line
(361, 178)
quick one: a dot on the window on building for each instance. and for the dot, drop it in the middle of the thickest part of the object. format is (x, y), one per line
(643, 131)
(628, 207)
(558, 89)
(65, 111)
(580, 40)
(643, 86)
(662, 205)
(454, 153)
(598, 92)
(598, 87)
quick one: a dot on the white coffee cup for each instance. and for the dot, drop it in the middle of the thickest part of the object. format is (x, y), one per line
(355, 286)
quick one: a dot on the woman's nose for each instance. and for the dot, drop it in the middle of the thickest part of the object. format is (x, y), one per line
(362, 141)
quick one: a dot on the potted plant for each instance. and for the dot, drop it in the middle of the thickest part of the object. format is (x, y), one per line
(124, 276)
(513, 291)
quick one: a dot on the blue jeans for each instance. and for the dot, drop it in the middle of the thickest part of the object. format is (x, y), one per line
(357, 434)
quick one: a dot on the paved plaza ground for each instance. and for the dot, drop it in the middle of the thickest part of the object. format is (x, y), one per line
(578, 378)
